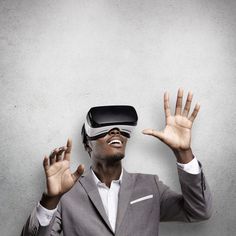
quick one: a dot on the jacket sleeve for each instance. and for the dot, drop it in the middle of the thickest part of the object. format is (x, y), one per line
(195, 202)
(33, 227)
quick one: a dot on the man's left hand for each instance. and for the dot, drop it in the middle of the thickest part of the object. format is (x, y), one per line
(177, 133)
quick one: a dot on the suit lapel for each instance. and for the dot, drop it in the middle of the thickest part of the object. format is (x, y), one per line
(90, 187)
(125, 193)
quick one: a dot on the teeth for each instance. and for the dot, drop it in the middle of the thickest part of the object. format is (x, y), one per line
(114, 141)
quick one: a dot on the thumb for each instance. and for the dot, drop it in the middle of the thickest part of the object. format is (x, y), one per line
(154, 133)
(78, 172)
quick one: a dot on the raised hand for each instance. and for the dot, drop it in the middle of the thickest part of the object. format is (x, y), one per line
(177, 133)
(59, 178)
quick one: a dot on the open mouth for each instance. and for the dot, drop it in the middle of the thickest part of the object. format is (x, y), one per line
(115, 143)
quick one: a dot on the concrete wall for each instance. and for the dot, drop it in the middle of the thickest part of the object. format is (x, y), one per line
(58, 58)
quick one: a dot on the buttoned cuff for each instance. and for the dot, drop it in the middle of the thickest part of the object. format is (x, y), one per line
(44, 215)
(192, 167)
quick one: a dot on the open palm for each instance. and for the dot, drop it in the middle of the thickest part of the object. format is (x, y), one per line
(58, 175)
(177, 132)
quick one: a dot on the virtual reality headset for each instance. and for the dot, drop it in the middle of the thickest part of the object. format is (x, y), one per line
(100, 120)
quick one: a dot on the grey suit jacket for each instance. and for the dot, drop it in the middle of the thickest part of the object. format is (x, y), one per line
(144, 201)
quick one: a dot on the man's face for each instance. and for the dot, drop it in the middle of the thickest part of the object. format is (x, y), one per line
(109, 148)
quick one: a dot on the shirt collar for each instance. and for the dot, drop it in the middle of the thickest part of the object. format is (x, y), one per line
(98, 181)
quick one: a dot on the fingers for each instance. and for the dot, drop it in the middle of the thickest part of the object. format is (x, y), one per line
(45, 163)
(68, 150)
(155, 133)
(59, 154)
(188, 104)
(78, 172)
(52, 156)
(56, 155)
(195, 112)
(167, 105)
(178, 107)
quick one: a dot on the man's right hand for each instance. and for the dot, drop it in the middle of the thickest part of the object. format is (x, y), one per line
(59, 178)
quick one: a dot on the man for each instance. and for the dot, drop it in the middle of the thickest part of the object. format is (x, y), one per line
(106, 200)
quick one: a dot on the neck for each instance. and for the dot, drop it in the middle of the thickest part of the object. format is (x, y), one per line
(106, 172)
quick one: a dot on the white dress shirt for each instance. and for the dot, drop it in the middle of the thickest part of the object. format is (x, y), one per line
(109, 196)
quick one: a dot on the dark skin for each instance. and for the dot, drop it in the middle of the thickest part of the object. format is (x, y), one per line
(106, 159)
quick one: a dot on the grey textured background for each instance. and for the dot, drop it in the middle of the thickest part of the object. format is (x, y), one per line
(58, 58)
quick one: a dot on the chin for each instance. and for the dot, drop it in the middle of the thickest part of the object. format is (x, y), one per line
(115, 157)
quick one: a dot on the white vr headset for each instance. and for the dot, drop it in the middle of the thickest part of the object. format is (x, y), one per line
(100, 120)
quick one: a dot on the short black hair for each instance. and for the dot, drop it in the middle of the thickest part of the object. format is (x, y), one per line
(84, 135)
(85, 139)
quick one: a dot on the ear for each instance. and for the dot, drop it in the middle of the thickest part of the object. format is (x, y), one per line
(88, 147)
